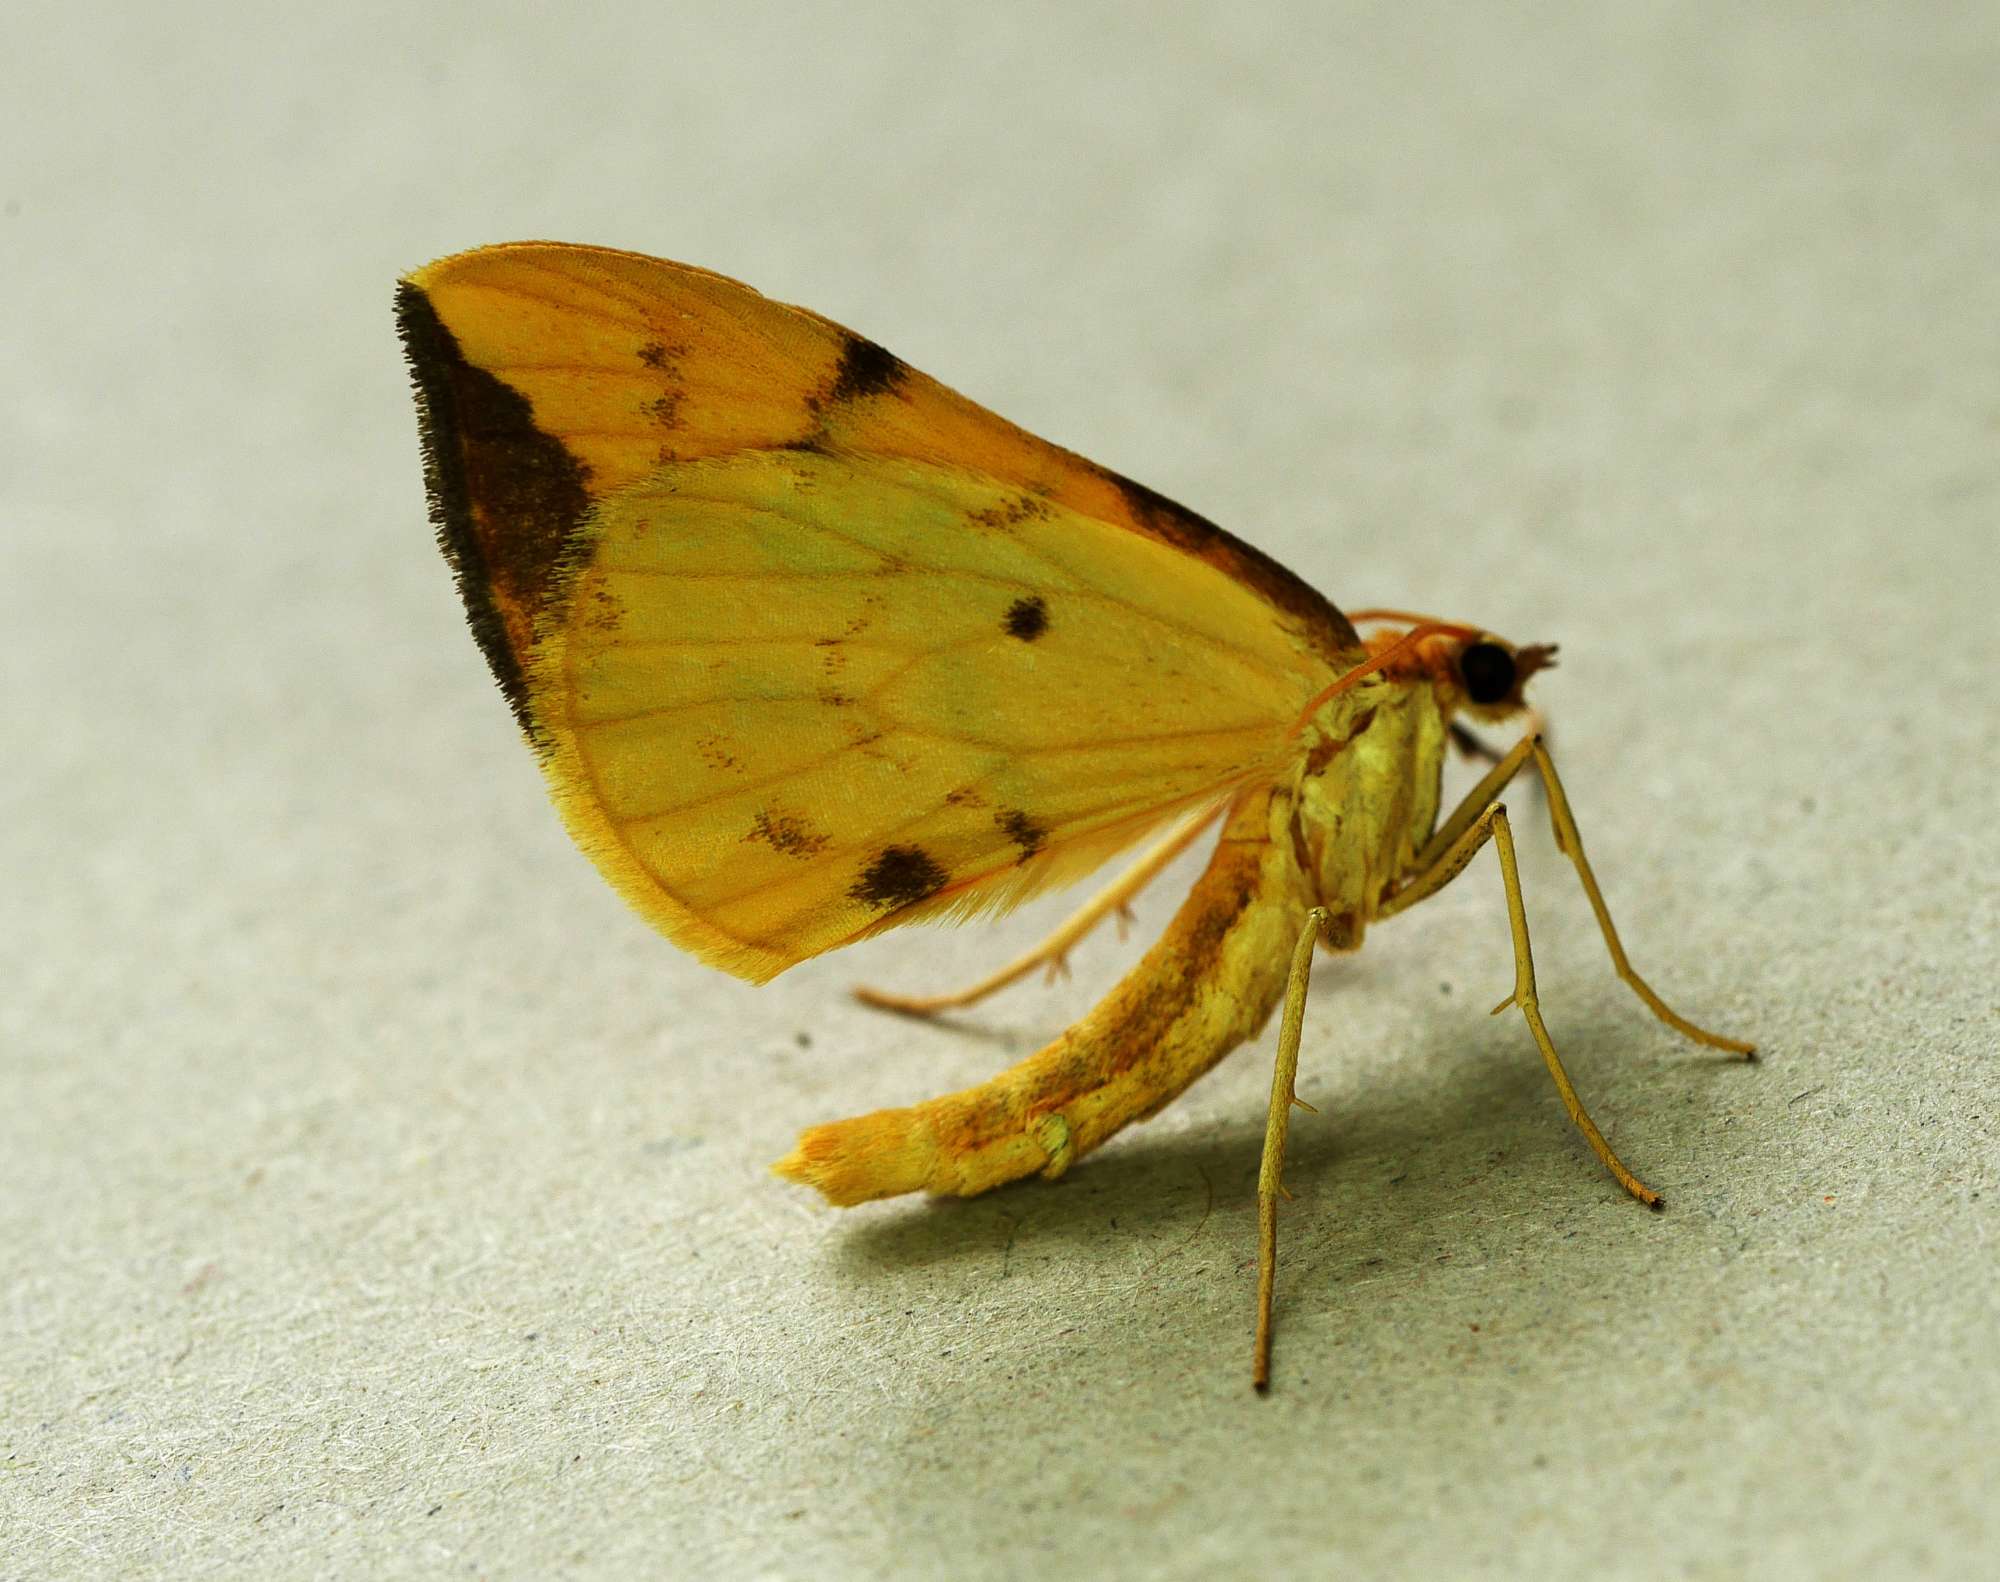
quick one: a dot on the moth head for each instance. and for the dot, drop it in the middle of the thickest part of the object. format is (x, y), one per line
(1467, 667)
(1486, 675)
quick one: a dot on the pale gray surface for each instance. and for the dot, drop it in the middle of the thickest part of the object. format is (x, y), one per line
(382, 1199)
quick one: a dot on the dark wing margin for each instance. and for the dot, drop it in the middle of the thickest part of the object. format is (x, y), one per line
(1175, 524)
(506, 499)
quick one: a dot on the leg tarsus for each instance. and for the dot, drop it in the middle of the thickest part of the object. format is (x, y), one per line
(1267, 1268)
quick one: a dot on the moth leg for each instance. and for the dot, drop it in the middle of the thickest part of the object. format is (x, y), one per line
(1492, 825)
(1054, 950)
(1570, 843)
(1271, 1173)
(1532, 748)
(1471, 805)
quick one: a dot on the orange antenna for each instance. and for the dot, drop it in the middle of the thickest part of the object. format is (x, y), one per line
(1362, 671)
(1409, 616)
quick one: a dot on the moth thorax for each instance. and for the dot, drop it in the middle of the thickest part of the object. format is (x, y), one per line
(1368, 798)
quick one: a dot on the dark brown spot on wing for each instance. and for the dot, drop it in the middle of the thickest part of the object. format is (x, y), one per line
(665, 408)
(1023, 831)
(507, 500)
(787, 833)
(898, 876)
(1028, 618)
(596, 608)
(866, 369)
(716, 750)
(1010, 514)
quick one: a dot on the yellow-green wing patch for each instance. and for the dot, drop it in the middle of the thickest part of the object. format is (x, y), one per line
(799, 695)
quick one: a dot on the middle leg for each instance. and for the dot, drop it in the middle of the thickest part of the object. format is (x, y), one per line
(1277, 1126)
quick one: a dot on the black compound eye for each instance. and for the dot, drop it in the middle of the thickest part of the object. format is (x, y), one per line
(1489, 672)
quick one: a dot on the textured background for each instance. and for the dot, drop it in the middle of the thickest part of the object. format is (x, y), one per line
(378, 1197)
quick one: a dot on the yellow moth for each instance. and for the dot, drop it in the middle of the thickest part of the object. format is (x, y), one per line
(810, 646)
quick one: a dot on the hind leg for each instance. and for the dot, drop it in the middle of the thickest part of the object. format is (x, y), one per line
(1052, 952)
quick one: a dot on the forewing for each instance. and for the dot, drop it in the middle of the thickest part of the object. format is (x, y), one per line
(809, 644)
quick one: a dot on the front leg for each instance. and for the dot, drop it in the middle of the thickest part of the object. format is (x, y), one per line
(1492, 825)
(1570, 843)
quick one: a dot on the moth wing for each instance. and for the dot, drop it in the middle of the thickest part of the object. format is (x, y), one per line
(809, 644)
